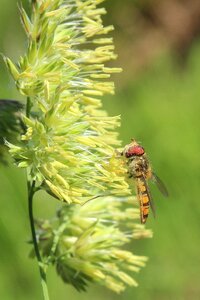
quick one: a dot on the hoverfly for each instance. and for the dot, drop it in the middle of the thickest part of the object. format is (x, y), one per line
(139, 168)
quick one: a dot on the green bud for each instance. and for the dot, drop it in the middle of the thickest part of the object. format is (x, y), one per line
(12, 68)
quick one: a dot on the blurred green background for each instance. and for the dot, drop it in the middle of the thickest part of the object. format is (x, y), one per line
(158, 98)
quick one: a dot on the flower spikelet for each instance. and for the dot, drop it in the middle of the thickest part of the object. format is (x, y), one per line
(85, 244)
(69, 142)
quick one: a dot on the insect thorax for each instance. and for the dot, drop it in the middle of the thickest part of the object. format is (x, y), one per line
(138, 166)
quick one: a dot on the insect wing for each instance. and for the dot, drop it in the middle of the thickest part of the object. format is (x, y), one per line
(162, 188)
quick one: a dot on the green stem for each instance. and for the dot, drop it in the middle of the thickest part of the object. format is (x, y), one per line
(42, 267)
(28, 106)
(31, 191)
(57, 235)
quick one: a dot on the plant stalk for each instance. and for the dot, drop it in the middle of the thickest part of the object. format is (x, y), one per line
(42, 267)
(28, 107)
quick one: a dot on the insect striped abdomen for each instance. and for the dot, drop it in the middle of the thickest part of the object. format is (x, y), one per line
(143, 198)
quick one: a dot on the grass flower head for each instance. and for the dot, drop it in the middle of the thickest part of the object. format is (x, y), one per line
(69, 143)
(86, 243)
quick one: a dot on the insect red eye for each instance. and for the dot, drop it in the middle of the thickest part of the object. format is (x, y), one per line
(134, 151)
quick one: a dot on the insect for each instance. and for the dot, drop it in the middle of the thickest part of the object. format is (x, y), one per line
(139, 168)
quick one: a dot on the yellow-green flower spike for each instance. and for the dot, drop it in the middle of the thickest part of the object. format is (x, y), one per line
(87, 241)
(69, 142)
